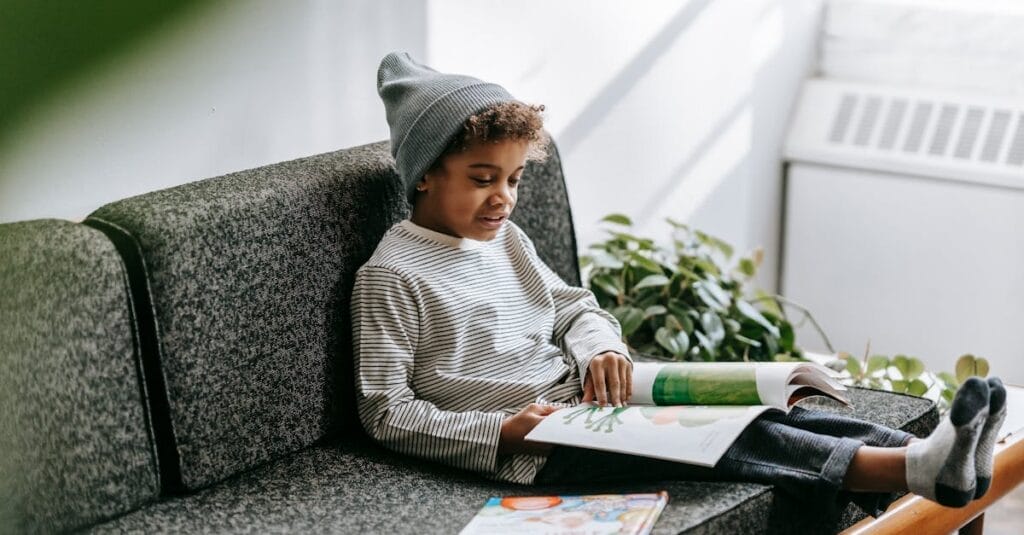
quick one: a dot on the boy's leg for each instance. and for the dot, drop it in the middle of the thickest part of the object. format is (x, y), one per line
(837, 425)
(802, 463)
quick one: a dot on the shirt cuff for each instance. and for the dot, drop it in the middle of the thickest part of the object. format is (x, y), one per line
(487, 460)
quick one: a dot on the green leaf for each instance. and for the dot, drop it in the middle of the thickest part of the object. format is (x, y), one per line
(630, 318)
(981, 367)
(607, 284)
(712, 295)
(604, 259)
(915, 368)
(676, 343)
(768, 302)
(677, 224)
(651, 281)
(948, 379)
(969, 365)
(654, 310)
(708, 267)
(771, 344)
(902, 363)
(877, 362)
(713, 327)
(748, 341)
(705, 343)
(618, 219)
(749, 311)
(747, 267)
(646, 263)
(853, 366)
(899, 386)
(917, 388)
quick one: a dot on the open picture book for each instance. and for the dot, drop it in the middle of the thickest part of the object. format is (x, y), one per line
(688, 411)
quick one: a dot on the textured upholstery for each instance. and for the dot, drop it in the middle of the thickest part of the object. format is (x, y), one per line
(75, 446)
(351, 486)
(248, 276)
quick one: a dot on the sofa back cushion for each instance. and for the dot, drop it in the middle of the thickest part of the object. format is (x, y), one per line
(75, 445)
(248, 277)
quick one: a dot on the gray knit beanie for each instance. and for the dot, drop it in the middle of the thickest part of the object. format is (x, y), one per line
(425, 109)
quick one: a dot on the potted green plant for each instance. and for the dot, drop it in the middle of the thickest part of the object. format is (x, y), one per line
(691, 303)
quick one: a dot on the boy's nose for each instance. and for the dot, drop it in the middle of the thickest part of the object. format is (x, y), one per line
(502, 196)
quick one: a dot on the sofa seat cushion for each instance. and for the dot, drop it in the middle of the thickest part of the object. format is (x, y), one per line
(353, 486)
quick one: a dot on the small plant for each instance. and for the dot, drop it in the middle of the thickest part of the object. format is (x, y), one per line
(907, 375)
(686, 303)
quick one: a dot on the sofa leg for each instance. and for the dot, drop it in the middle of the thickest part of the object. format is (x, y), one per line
(974, 527)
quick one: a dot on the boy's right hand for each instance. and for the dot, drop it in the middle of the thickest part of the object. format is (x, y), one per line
(515, 428)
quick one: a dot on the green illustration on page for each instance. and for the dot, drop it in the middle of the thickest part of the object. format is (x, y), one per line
(711, 385)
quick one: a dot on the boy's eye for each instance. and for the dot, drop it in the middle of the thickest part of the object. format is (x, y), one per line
(481, 181)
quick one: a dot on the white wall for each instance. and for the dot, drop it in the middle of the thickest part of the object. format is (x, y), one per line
(660, 108)
(229, 86)
(962, 45)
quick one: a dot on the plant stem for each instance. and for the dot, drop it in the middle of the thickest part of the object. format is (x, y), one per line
(779, 300)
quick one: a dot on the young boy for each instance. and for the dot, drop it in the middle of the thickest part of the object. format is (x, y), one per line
(465, 340)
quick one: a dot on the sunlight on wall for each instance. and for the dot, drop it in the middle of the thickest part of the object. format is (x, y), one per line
(654, 107)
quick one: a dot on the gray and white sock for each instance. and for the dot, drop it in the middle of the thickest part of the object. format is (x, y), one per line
(941, 467)
(989, 433)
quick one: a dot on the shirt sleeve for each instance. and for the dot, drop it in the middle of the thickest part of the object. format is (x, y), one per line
(385, 326)
(583, 329)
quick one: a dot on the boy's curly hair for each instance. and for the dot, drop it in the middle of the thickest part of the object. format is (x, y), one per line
(504, 121)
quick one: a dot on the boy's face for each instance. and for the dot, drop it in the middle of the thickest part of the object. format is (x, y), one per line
(474, 192)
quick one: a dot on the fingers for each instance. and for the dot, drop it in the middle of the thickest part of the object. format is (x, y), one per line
(600, 388)
(614, 385)
(610, 380)
(626, 372)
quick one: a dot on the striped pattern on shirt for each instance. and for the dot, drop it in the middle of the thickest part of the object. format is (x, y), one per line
(453, 335)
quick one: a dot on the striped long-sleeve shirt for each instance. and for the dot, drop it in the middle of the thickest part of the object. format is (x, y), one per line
(454, 335)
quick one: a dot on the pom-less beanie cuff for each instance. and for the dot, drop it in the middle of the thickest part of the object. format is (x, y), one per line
(425, 109)
(435, 127)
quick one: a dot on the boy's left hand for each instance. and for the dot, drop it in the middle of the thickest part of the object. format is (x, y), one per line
(609, 378)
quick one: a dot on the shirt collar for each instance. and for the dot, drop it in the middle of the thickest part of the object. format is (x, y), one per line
(465, 244)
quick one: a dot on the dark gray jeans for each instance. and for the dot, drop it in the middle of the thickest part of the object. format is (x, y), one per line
(805, 453)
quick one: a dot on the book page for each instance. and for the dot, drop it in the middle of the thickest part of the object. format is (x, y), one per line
(693, 434)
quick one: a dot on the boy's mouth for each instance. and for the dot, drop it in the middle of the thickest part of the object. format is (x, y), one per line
(493, 222)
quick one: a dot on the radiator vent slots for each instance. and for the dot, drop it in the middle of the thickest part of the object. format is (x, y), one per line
(964, 137)
(931, 126)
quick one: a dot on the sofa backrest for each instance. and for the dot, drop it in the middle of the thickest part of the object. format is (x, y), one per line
(246, 282)
(75, 443)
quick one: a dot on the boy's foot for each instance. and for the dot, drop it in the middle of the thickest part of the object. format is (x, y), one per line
(941, 467)
(987, 440)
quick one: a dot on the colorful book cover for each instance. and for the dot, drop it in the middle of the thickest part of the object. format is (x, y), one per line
(597, 514)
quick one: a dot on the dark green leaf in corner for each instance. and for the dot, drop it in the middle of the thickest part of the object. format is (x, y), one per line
(618, 219)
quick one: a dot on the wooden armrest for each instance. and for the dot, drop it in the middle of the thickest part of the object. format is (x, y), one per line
(913, 513)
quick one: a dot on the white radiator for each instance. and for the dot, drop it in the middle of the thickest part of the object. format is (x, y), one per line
(904, 222)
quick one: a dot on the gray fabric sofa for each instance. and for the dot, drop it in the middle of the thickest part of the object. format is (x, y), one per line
(181, 361)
